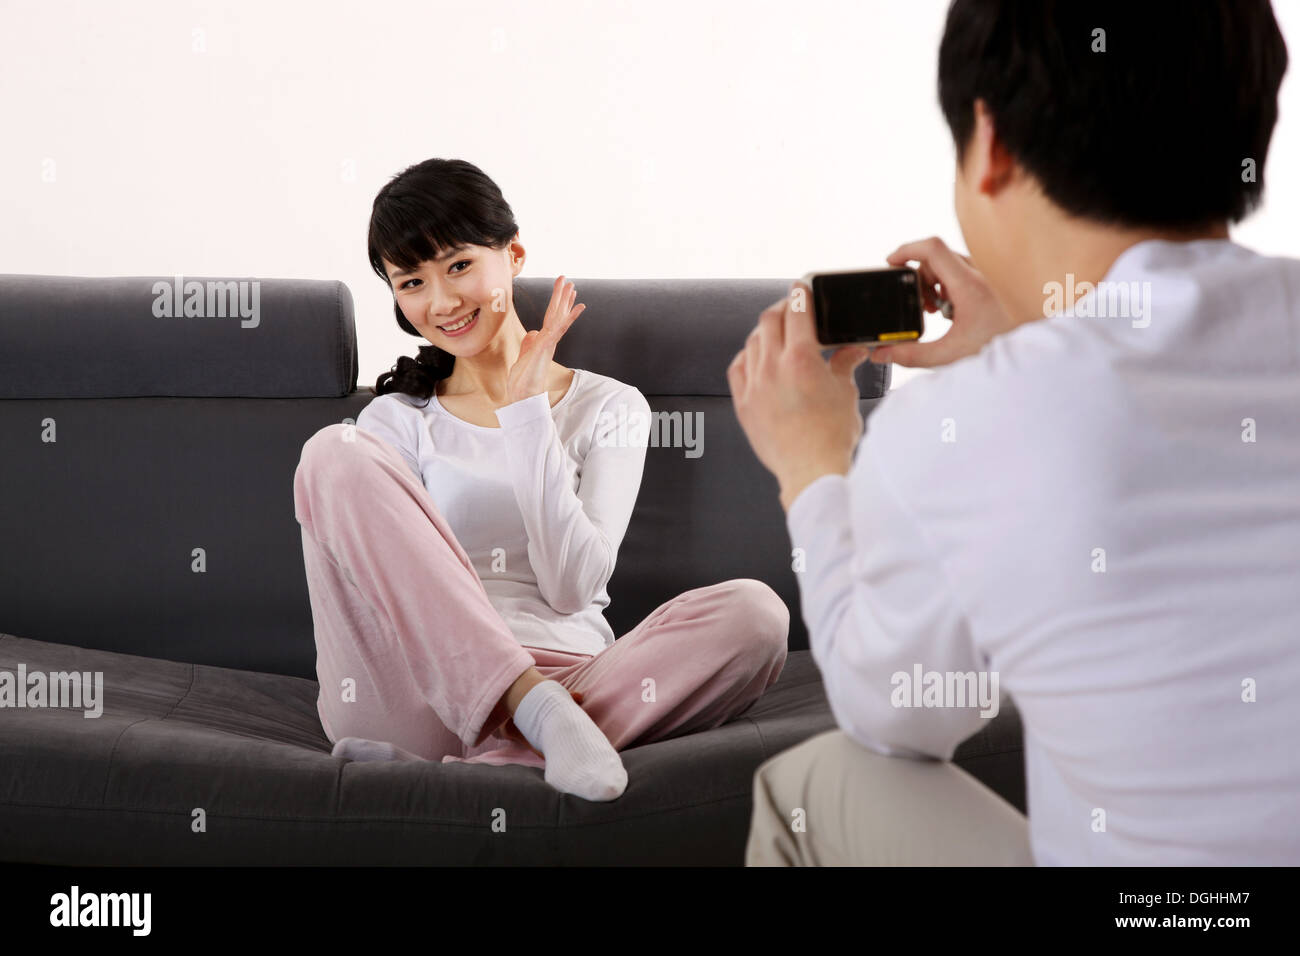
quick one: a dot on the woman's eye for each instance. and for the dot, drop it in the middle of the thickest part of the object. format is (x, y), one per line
(454, 269)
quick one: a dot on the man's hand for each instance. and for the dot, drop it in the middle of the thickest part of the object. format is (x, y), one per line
(799, 412)
(977, 316)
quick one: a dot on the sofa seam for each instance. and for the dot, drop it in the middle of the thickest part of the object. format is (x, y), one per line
(108, 771)
(179, 700)
(762, 741)
(403, 820)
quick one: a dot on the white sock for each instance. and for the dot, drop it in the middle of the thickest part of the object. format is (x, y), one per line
(360, 749)
(579, 757)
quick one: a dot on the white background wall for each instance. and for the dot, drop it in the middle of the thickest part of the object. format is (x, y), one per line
(665, 138)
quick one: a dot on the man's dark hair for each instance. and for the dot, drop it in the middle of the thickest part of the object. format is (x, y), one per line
(1153, 129)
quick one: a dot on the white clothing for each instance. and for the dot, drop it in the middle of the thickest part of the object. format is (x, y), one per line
(540, 504)
(1107, 514)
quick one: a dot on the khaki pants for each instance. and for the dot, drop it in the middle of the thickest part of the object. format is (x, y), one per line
(832, 802)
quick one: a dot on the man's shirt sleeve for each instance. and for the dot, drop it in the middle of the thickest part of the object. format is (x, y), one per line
(877, 607)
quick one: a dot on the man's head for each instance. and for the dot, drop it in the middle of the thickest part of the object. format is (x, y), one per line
(1132, 115)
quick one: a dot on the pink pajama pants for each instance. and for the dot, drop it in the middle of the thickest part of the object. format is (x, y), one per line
(410, 651)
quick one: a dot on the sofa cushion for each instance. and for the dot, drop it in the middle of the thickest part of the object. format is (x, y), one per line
(136, 336)
(244, 753)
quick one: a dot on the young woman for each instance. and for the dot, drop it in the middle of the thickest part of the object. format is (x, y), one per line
(458, 541)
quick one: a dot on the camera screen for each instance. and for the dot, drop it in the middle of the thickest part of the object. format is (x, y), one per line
(875, 306)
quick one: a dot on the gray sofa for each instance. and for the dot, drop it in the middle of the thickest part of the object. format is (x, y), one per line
(149, 535)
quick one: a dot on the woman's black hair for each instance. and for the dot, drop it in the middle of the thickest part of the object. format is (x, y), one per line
(422, 212)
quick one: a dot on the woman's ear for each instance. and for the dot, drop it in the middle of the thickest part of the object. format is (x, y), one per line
(517, 256)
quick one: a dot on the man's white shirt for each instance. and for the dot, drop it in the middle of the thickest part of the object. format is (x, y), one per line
(1104, 510)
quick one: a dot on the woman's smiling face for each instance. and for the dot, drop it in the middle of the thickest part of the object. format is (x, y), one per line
(465, 283)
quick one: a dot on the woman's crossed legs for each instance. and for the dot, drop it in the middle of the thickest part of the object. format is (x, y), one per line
(411, 653)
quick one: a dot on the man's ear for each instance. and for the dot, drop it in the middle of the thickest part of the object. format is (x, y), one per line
(990, 167)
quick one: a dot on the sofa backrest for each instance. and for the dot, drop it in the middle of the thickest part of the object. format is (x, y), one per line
(151, 427)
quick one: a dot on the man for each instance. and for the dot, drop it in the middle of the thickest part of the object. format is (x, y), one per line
(1094, 505)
